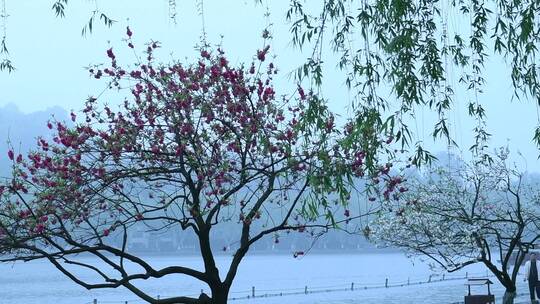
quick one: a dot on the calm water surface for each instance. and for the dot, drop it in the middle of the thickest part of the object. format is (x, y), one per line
(40, 283)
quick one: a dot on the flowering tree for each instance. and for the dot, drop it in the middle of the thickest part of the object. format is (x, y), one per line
(193, 148)
(481, 213)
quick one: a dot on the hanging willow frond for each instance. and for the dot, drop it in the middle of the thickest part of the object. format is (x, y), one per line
(172, 10)
(5, 61)
(401, 56)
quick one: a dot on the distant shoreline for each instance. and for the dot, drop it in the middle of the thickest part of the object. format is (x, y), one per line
(278, 252)
(190, 253)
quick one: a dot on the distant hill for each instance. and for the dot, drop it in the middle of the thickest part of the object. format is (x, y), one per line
(22, 130)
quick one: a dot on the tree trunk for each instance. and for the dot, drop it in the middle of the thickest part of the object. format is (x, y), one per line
(508, 297)
(220, 295)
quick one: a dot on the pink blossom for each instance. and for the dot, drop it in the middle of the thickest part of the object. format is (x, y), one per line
(39, 228)
(205, 54)
(110, 54)
(223, 62)
(261, 54)
(301, 92)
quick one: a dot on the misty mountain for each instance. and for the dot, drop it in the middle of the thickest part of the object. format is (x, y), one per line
(20, 130)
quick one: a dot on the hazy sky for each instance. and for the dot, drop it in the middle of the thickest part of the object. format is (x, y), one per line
(50, 55)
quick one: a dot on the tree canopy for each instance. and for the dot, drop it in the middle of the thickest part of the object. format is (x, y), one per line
(465, 214)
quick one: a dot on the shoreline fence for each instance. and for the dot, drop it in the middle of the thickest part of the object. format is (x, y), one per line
(255, 293)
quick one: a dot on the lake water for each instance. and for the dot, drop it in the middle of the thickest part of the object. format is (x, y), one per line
(40, 283)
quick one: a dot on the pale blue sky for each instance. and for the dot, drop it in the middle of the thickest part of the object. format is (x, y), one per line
(49, 54)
